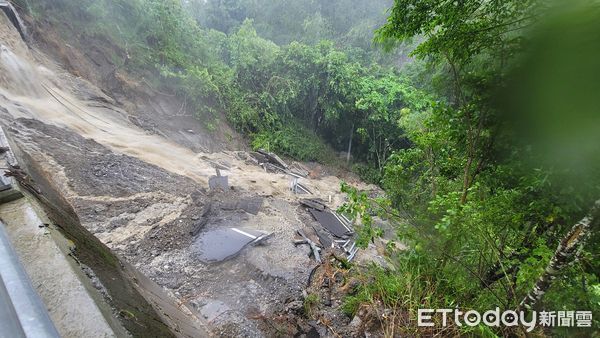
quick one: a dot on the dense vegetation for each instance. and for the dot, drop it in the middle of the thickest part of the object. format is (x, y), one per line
(499, 169)
(487, 144)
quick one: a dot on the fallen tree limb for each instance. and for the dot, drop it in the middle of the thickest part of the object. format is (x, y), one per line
(566, 253)
(315, 249)
(23, 178)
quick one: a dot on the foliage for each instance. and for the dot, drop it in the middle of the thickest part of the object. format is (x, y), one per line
(294, 141)
(482, 207)
(367, 173)
(304, 21)
(311, 301)
(280, 96)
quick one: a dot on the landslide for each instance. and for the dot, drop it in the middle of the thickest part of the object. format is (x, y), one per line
(131, 167)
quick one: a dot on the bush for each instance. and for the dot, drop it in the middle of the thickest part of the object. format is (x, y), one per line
(367, 173)
(294, 141)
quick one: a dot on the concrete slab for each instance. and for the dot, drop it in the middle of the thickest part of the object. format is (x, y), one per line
(218, 183)
(313, 203)
(330, 222)
(221, 244)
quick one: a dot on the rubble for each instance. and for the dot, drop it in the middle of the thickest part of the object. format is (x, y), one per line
(273, 159)
(330, 222)
(334, 230)
(270, 162)
(313, 203)
(298, 170)
(331, 230)
(299, 188)
(313, 246)
(324, 237)
(250, 205)
(272, 168)
(257, 158)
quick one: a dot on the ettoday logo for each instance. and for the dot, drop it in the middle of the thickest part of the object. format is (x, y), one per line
(497, 318)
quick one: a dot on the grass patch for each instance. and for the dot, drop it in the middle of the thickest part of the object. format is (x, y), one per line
(409, 287)
(310, 303)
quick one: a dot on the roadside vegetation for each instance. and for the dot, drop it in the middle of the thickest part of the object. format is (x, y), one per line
(484, 138)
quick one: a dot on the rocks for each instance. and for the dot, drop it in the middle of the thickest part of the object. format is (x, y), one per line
(355, 324)
(295, 307)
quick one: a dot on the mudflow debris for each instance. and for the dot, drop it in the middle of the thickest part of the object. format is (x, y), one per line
(333, 229)
(250, 205)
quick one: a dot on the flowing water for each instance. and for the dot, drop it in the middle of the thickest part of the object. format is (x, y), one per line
(20, 77)
(28, 90)
(33, 96)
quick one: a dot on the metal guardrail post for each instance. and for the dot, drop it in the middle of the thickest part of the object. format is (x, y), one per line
(22, 312)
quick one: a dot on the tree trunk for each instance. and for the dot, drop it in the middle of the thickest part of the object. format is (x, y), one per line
(567, 252)
(350, 144)
(466, 184)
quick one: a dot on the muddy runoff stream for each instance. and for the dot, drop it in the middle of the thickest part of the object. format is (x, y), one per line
(138, 208)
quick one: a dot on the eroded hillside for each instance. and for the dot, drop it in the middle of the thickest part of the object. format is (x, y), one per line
(141, 188)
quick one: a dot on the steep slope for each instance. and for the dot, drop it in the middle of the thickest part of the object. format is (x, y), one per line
(141, 192)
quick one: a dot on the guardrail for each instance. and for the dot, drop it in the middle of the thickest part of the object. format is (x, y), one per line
(22, 313)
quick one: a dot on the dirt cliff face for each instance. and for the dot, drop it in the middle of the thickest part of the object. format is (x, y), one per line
(100, 61)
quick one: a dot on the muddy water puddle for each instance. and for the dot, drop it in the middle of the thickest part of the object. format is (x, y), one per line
(221, 244)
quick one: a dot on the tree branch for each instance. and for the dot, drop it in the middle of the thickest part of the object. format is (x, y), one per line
(566, 253)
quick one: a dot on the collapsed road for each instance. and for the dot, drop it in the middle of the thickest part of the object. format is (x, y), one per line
(220, 244)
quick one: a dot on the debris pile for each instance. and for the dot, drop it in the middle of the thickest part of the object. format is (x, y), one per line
(330, 231)
(270, 162)
(334, 230)
(313, 246)
(215, 242)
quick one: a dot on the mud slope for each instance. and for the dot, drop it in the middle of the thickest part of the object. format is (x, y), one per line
(141, 193)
